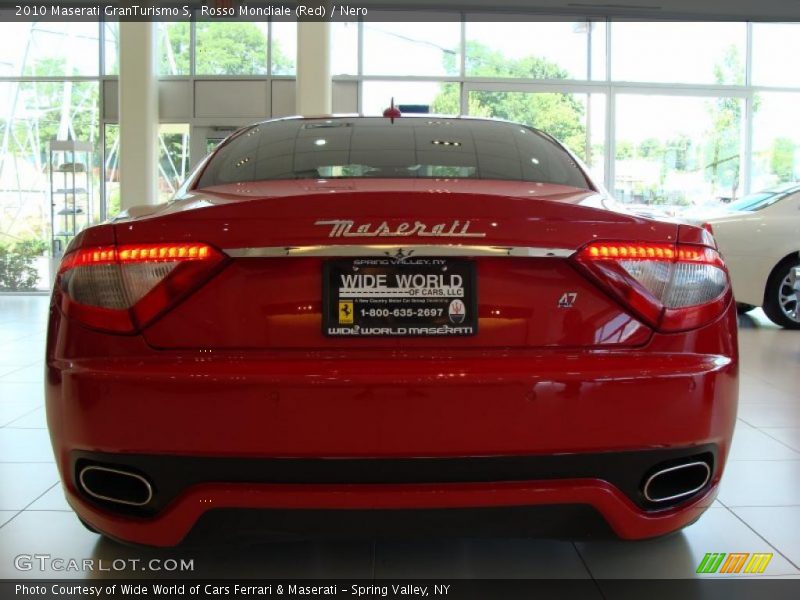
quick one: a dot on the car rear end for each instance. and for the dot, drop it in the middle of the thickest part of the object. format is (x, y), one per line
(339, 354)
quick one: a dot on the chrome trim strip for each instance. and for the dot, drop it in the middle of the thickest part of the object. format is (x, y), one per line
(118, 472)
(403, 251)
(676, 468)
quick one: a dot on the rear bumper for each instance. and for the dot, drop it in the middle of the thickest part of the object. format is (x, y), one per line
(646, 406)
(677, 395)
(318, 509)
(400, 406)
(170, 477)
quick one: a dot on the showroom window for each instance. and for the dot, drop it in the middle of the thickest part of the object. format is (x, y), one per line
(689, 155)
(776, 140)
(775, 46)
(284, 47)
(231, 48)
(412, 48)
(696, 53)
(111, 48)
(173, 158)
(173, 48)
(598, 65)
(223, 48)
(111, 169)
(36, 49)
(344, 48)
(522, 49)
(173, 162)
(45, 94)
(425, 96)
(666, 114)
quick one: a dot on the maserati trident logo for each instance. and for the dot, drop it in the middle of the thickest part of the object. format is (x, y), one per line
(400, 255)
(349, 228)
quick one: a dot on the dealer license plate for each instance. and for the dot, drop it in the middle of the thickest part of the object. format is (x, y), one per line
(367, 297)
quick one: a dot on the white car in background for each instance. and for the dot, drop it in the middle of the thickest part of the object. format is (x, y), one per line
(759, 237)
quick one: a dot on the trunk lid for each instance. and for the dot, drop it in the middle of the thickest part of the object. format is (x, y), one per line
(265, 302)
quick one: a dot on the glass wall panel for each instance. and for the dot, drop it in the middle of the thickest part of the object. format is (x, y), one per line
(344, 48)
(776, 47)
(173, 162)
(231, 48)
(173, 158)
(599, 31)
(674, 151)
(678, 52)
(284, 47)
(527, 49)
(37, 49)
(111, 169)
(32, 113)
(442, 98)
(173, 48)
(421, 49)
(670, 150)
(111, 48)
(776, 140)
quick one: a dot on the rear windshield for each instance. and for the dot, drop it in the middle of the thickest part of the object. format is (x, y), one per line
(377, 148)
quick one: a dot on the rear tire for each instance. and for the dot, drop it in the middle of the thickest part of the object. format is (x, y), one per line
(781, 302)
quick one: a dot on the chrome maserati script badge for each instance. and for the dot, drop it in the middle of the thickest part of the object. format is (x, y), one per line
(349, 228)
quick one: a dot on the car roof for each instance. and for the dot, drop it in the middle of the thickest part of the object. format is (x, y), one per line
(410, 116)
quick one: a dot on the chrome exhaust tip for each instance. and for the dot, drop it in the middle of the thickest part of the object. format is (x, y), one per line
(677, 482)
(115, 485)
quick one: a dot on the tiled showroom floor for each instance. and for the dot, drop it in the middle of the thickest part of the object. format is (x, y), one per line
(758, 509)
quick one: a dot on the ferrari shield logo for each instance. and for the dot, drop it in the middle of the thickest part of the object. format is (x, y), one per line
(346, 312)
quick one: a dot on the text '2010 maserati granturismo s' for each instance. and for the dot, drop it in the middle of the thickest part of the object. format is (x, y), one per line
(390, 324)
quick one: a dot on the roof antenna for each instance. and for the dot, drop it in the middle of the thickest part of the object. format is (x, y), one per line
(392, 112)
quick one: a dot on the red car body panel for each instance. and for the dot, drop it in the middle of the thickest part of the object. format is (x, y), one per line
(240, 367)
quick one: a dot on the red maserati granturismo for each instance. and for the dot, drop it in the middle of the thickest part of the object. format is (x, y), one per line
(389, 325)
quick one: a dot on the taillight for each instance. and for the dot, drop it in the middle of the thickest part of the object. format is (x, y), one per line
(123, 288)
(671, 286)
